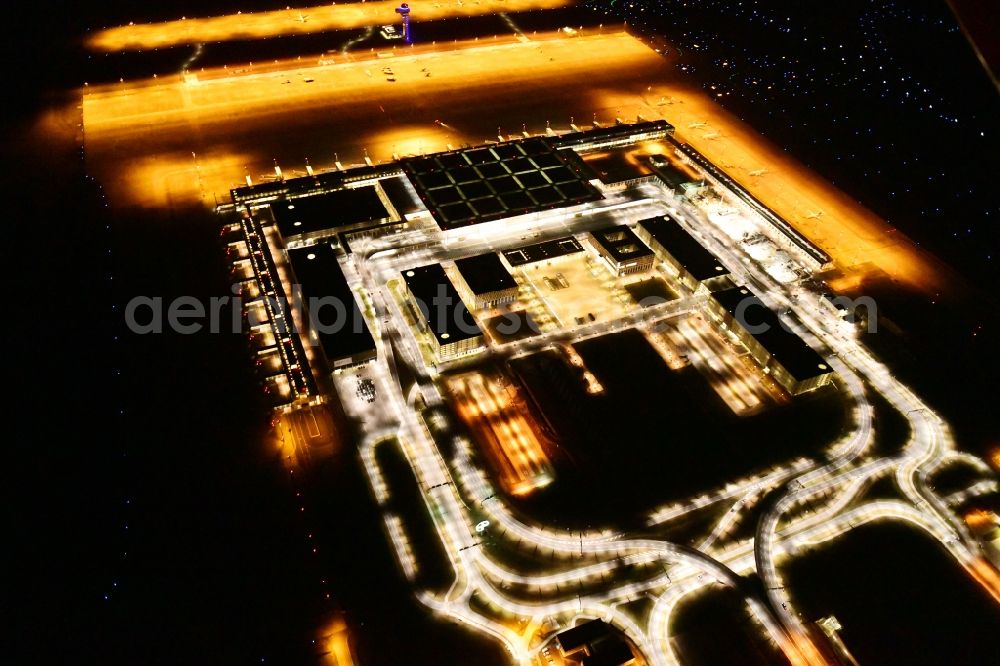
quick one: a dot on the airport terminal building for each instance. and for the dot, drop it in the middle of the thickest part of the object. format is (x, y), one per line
(473, 186)
(485, 281)
(362, 201)
(334, 319)
(622, 250)
(697, 268)
(441, 312)
(781, 353)
(319, 216)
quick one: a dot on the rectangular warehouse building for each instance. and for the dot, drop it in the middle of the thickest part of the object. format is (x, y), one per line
(781, 353)
(486, 281)
(696, 267)
(334, 319)
(622, 250)
(323, 215)
(441, 311)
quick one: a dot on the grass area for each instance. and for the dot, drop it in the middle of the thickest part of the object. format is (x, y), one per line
(884, 488)
(954, 477)
(638, 609)
(926, 611)
(434, 570)
(946, 353)
(693, 526)
(620, 575)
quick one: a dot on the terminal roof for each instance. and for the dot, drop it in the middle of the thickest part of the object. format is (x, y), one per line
(446, 315)
(791, 351)
(401, 194)
(475, 185)
(328, 211)
(683, 247)
(485, 273)
(320, 276)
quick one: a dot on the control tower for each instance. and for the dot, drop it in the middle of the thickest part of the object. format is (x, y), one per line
(404, 11)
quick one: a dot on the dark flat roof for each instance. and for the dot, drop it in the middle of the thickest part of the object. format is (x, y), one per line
(328, 211)
(528, 254)
(485, 273)
(402, 196)
(791, 351)
(621, 243)
(475, 185)
(610, 651)
(683, 247)
(582, 634)
(447, 316)
(320, 277)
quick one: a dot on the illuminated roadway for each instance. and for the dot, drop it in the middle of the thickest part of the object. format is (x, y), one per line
(451, 489)
(448, 505)
(930, 440)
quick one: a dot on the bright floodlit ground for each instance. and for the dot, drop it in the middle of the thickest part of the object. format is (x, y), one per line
(295, 21)
(176, 140)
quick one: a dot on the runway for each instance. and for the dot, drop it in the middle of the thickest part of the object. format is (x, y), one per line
(295, 21)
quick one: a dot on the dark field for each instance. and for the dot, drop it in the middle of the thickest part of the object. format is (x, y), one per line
(900, 598)
(655, 435)
(714, 627)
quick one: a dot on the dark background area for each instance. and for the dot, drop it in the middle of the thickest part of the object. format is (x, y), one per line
(886, 584)
(886, 99)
